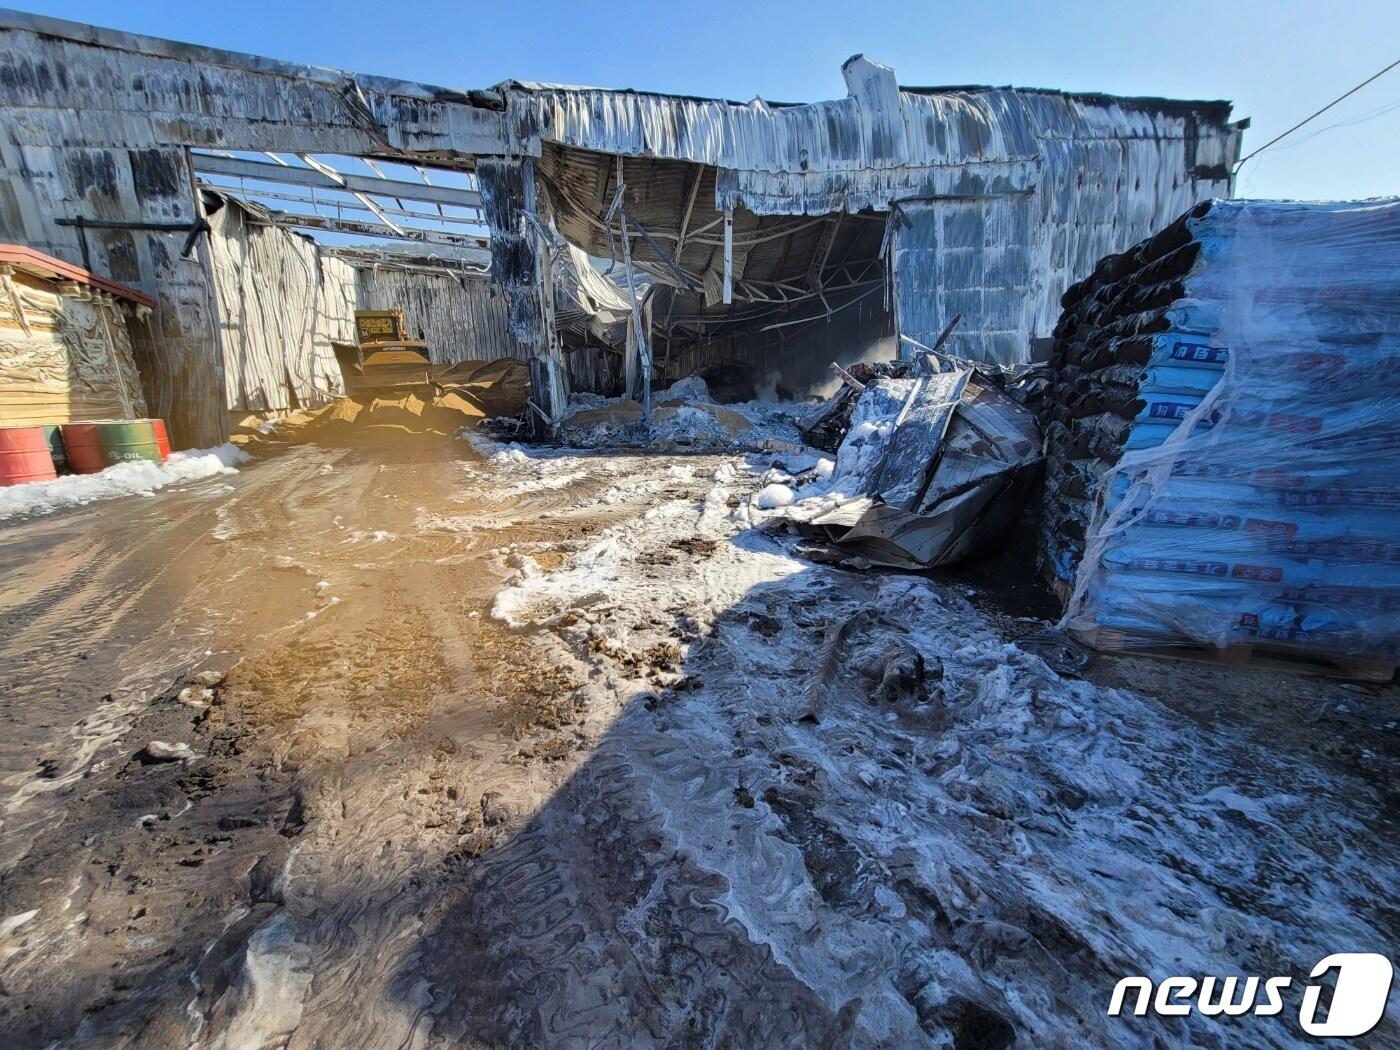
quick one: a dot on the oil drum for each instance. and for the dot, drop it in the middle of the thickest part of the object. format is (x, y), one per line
(25, 456)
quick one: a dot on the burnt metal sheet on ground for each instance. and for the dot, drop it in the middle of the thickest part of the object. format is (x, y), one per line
(989, 434)
(932, 468)
(913, 449)
(869, 433)
(891, 536)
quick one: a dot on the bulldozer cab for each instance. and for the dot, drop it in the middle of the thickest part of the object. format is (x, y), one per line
(385, 355)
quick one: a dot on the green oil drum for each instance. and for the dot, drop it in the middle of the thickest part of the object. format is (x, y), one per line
(53, 434)
(95, 446)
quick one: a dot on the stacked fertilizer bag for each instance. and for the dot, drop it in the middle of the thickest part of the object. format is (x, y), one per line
(1223, 436)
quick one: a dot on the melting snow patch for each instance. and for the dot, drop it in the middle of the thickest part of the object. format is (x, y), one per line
(124, 479)
(532, 597)
(876, 774)
(14, 922)
(770, 497)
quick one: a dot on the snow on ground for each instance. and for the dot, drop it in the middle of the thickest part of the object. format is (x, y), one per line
(919, 818)
(605, 575)
(124, 479)
(773, 496)
(530, 468)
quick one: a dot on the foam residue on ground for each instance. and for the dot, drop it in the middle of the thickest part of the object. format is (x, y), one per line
(988, 850)
(141, 478)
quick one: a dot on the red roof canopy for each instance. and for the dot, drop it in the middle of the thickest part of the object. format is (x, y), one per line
(27, 260)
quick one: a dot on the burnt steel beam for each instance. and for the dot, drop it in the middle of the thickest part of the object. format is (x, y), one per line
(194, 229)
(374, 229)
(254, 195)
(262, 171)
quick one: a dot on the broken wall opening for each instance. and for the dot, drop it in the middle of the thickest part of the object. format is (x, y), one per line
(756, 304)
(299, 244)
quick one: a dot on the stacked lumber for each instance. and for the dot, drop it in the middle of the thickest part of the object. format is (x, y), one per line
(1223, 435)
(65, 355)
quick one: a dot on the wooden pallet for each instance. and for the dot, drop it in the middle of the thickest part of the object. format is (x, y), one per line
(1271, 657)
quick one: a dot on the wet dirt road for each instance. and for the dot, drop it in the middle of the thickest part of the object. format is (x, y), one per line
(554, 750)
(360, 706)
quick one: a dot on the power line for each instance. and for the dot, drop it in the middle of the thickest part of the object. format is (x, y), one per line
(1379, 111)
(1314, 116)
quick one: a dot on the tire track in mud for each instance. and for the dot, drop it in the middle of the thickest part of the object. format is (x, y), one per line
(366, 730)
(356, 904)
(586, 929)
(212, 589)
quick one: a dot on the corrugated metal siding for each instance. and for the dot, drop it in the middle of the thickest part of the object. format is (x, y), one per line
(336, 303)
(1003, 262)
(111, 89)
(43, 178)
(877, 146)
(462, 320)
(271, 291)
(507, 192)
(595, 370)
(971, 258)
(878, 126)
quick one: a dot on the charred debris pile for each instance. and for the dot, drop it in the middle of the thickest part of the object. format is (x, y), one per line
(1213, 473)
(934, 458)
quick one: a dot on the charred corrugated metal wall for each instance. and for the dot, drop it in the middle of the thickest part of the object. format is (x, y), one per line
(461, 318)
(595, 370)
(280, 307)
(42, 178)
(507, 197)
(1000, 197)
(971, 259)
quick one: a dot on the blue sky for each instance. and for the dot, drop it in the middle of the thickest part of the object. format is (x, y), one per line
(1277, 61)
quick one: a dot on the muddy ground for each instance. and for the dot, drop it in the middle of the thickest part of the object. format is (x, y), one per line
(505, 749)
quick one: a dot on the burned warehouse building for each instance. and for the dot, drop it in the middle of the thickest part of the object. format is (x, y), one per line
(761, 239)
(547, 566)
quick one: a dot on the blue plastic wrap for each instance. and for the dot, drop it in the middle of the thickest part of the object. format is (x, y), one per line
(1258, 496)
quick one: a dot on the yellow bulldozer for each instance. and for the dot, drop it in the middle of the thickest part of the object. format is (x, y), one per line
(385, 356)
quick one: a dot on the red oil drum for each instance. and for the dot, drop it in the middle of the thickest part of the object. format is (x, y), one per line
(83, 446)
(25, 456)
(162, 438)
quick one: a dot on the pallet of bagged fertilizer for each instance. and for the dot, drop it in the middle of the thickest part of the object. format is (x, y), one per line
(1274, 657)
(1223, 439)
